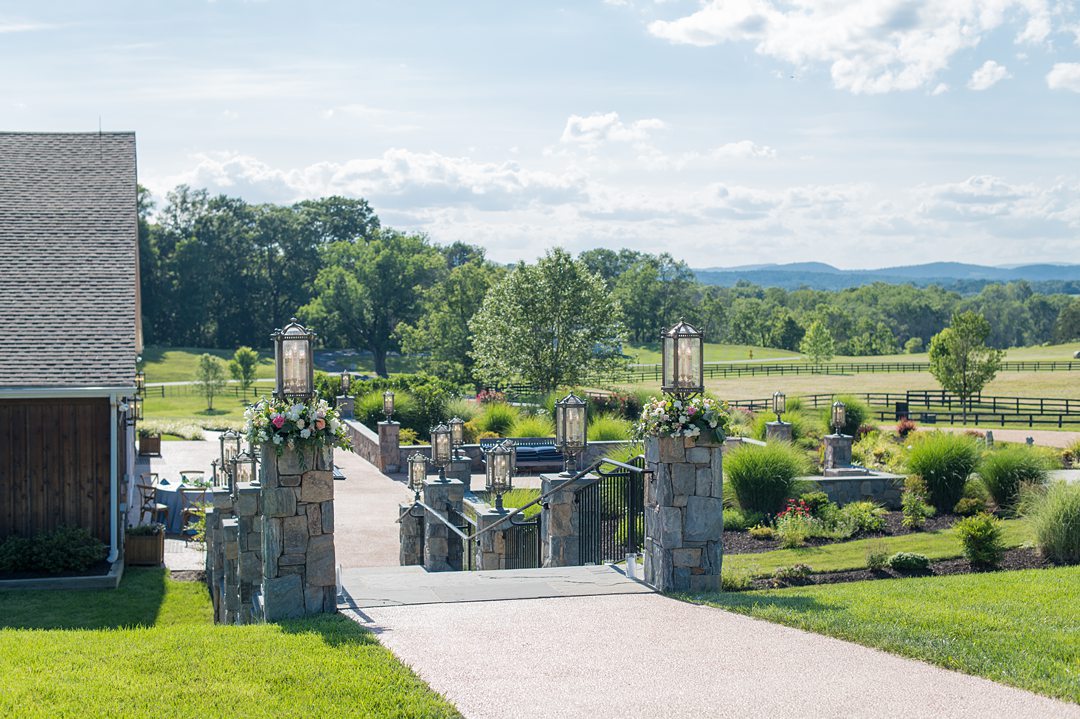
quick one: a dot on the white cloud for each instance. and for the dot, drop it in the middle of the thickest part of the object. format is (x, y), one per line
(595, 129)
(940, 89)
(11, 26)
(1064, 76)
(871, 46)
(988, 75)
(743, 149)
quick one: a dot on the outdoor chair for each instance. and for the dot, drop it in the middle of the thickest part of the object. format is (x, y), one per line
(150, 478)
(192, 476)
(192, 501)
(148, 504)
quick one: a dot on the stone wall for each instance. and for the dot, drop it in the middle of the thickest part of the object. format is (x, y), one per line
(876, 487)
(297, 502)
(443, 550)
(249, 530)
(364, 442)
(560, 521)
(410, 535)
(684, 514)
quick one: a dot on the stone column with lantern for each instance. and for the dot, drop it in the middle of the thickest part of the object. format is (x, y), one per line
(389, 437)
(460, 464)
(411, 515)
(492, 523)
(443, 547)
(684, 506)
(345, 402)
(297, 500)
(560, 520)
(779, 431)
(838, 445)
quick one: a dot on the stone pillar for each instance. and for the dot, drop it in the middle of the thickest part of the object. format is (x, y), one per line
(219, 509)
(345, 406)
(249, 521)
(778, 432)
(411, 536)
(491, 547)
(442, 547)
(389, 447)
(461, 470)
(838, 451)
(684, 514)
(560, 523)
(230, 530)
(297, 502)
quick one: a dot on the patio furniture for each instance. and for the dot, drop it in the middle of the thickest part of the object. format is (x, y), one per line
(192, 476)
(192, 501)
(533, 453)
(148, 504)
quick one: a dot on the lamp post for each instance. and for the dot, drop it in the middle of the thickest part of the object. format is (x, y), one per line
(457, 435)
(441, 449)
(839, 416)
(294, 362)
(779, 404)
(230, 447)
(417, 474)
(346, 381)
(140, 382)
(500, 471)
(242, 471)
(571, 430)
(134, 410)
(388, 403)
(682, 350)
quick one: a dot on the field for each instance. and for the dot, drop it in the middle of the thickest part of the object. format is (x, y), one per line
(650, 353)
(178, 364)
(185, 403)
(150, 648)
(1020, 628)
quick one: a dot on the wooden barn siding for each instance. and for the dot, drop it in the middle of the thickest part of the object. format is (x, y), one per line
(54, 465)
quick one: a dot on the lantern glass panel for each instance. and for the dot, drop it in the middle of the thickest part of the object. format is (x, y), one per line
(669, 361)
(295, 362)
(440, 446)
(417, 471)
(457, 431)
(779, 403)
(839, 415)
(346, 380)
(388, 403)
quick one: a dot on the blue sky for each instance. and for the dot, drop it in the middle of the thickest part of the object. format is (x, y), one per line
(862, 134)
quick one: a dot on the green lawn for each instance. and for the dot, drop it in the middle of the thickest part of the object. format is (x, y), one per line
(150, 649)
(942, 544)
(186, 404)
(650, 353)
(1017, 628)
(178, 364)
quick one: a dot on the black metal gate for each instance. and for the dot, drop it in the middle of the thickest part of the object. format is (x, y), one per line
(523, 544)
(468, 547)
(611, 514)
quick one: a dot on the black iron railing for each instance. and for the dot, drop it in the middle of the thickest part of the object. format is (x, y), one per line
(611, 514)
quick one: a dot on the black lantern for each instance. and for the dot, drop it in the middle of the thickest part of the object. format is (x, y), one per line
(417, 473)
(294, 360)
(243, 470)
(214, 478)
(779, 404)
(388, 403)
(457, 433)
(140, 382)
(571, 429)
(346, 380)
(441, 448)
(134, 408)
(500, 470)
(230, 447)
(839, 415)
(683, 347)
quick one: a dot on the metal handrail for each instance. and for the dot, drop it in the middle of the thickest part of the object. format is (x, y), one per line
(434, 513)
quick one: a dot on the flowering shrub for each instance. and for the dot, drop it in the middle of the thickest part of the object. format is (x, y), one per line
(490, 396)
(671, 417)
(287, 424)
(795, 524)
(905, 427)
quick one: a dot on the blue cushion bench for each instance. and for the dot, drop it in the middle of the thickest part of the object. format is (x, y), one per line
(534, 453)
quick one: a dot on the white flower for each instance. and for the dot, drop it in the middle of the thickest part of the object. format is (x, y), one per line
(300, 424)
(683, 419)
(277, 439)
(305, 433)
(334, 424)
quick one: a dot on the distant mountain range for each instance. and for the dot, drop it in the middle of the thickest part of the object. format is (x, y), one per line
(819, 275)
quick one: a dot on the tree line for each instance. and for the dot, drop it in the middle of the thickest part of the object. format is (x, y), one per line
(217, 271)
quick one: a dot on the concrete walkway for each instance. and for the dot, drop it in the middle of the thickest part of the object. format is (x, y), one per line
(365, 514)
(1042, 437)
(645, 655)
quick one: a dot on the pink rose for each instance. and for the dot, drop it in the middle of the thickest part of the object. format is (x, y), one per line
(690, 411)
(278, 420)
(320, 423)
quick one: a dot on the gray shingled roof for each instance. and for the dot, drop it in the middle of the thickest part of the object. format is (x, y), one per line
(68, 268)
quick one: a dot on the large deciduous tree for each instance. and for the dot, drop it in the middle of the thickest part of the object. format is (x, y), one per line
(960, 359)
(365, 290)
(549, 324)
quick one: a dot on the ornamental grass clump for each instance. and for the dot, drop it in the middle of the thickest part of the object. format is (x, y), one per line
(764, 478)
(944, 461)
(1004, 472)
(981, 536)
(495, 417)
(1054, 516)
(855, 416)
(532, 425)
(609, 428)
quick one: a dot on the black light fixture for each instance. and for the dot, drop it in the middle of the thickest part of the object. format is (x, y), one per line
(230, 447)
(457, 434)
(571, 429)
(417, 473)
(839, 416)
(140, 382)
(779, 404)
(294, 361)
(441, 448)
(133, 406)
(682, 351)
(346, 381)
(499, 464)
(388, 404)
(243, 471)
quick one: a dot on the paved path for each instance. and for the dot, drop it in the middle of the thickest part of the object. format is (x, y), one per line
(1042, 437)
(365, 514)
(645, 655)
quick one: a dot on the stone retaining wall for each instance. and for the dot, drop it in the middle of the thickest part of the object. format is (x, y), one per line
(876, 487)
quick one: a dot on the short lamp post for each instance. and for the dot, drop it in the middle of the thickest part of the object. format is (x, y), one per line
(417, 474)
(500, 471)
(243, 471)
(294, 362)
(682, 350)
(230, 448)
(140, 382)
(388, 404)
(346, 381)
(134, 410)
(571, 430)
(779, 405)
(839, 416)
(441, 449)
(457, 435)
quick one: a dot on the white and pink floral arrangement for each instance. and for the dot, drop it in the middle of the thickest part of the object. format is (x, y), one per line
(294, 425)
(671, 417)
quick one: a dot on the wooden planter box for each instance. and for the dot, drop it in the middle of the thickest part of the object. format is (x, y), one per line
(148, 549)
(150, 445)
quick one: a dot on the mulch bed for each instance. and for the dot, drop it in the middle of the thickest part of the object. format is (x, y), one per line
(95, 570)
(743, 543)
(1014, 559)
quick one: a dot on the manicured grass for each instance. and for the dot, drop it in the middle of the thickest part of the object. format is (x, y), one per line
(942, 544)
(190, 406)
(178, 364)
(650, 353)
(150, 649)
(1019, 628)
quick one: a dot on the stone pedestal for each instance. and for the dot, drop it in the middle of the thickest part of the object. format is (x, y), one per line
(411, 535)
(219, 509)
(684, 514)
(559, 522)
(778, 431)
(230, 529)
(838, 451)
(491, 547)
(249, 530)
(461, 470)
(346, 406)
(297, 503)
(389, 447)
(442, 547)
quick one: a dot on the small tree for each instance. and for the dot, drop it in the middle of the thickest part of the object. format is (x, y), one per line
(242, 367)
(210, 378)
(817, 344)
(960, 360)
